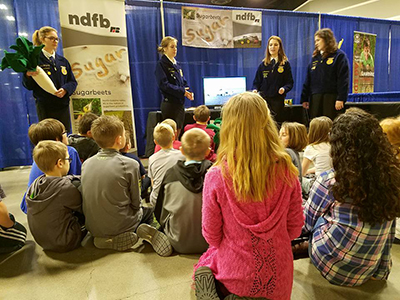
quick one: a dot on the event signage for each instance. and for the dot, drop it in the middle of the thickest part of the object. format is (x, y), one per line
(217, 28)
(95, 43)
(363, 62)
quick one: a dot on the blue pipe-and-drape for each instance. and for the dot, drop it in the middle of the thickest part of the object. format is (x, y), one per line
(144, 34)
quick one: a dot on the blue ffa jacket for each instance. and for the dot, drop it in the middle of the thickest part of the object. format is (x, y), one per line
(171, 81)
(62, 77)
(270, 78)
(328, 75)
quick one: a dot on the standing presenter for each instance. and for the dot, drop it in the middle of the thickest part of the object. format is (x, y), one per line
(326, 86)
(172, 83)
(59, 70)
(274, 79)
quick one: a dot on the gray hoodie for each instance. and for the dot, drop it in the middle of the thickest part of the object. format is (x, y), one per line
(53, 203)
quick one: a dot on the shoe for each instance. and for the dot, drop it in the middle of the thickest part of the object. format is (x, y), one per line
(121, 242)
(157, 239)
(205, 284)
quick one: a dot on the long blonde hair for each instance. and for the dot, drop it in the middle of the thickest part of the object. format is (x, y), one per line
(250, 151)
(282, 58)
(40, 34)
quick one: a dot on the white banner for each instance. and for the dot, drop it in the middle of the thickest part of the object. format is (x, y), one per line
(216, 28)
(94, 42)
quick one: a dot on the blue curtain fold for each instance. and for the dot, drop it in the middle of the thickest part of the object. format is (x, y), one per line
(144, 34)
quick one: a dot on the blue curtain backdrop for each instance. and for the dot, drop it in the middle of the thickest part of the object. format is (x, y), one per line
(144, 34)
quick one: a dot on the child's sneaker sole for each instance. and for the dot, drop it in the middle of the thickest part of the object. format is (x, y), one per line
(157, 239)
(205, 284)
(121, 242)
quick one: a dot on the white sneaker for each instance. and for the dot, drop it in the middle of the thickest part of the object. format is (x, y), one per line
(157, 239)
(121, 242)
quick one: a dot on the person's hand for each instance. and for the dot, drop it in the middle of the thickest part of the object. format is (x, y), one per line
(306, 105)
(281, 91)
(339, 105)
(60, 93)
(32, 73)
(189, 95)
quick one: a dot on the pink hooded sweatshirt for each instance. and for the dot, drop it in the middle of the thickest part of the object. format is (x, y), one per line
(250, 251)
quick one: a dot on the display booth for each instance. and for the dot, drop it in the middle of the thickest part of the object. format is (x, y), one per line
(144, 33)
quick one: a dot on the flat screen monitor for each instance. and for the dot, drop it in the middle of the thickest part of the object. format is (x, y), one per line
(218, 90)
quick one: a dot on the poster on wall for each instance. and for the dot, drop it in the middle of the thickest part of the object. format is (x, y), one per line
(216, 28)
(95, 44)
(363, 62)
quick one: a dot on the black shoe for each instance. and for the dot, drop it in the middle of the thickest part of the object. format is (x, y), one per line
(205, 284)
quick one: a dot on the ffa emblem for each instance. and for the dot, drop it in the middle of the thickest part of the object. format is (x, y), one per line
(265, 74)
(329, 61)
(280, 69)
(48, 73)
(63, 70)
(180, 71)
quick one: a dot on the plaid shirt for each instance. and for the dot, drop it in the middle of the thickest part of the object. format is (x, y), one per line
(344, 249)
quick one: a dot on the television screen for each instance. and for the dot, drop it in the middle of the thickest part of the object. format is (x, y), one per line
(218, 90)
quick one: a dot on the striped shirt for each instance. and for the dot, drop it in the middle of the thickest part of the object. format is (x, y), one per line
(344, 249)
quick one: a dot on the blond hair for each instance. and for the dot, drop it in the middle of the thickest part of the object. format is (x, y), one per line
(195, 143)
(254, 158)
(202, 113)
(171, 123)
(319, 130)
(163, 135)
(106, 129)
(47, 153)
(391, 127)
(165, 42)
(282, 58)
(297, 133)
(40, 34)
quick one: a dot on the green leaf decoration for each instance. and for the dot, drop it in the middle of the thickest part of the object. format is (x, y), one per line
(25, 58)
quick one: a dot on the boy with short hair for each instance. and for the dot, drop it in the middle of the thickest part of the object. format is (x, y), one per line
(54, 202)
(84, 142)
(179, 200)
(12, 233)
(176, 143)
(50, 129)
(202, 115)
(111, 194)
(164, 159)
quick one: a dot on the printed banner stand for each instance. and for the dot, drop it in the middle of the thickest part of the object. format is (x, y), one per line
(95, 44)
(363, 62)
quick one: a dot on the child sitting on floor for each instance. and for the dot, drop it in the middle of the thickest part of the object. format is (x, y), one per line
(176, 143)
(251, 208)
(111, 194)
(179, 201)
(202, 115)
(317, 151)
(351, 211)
(162, 161)
(54, 202)
(294, 137)
(84, 142)
(12, 233)
(54, 130)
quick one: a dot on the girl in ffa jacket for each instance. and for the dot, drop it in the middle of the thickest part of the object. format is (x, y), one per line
(172, 83)
(59, 70)
(274, 77)
(327, 83)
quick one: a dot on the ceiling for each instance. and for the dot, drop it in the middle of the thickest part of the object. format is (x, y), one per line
(267, 4)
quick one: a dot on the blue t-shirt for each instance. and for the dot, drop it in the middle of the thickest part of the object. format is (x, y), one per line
(74, 169)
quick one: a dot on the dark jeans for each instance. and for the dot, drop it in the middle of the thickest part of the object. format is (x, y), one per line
(324, 105)
(147, 215)
(61, 115)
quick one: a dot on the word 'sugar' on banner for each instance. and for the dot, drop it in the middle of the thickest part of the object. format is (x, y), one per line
(95, 43)
(215, 28)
